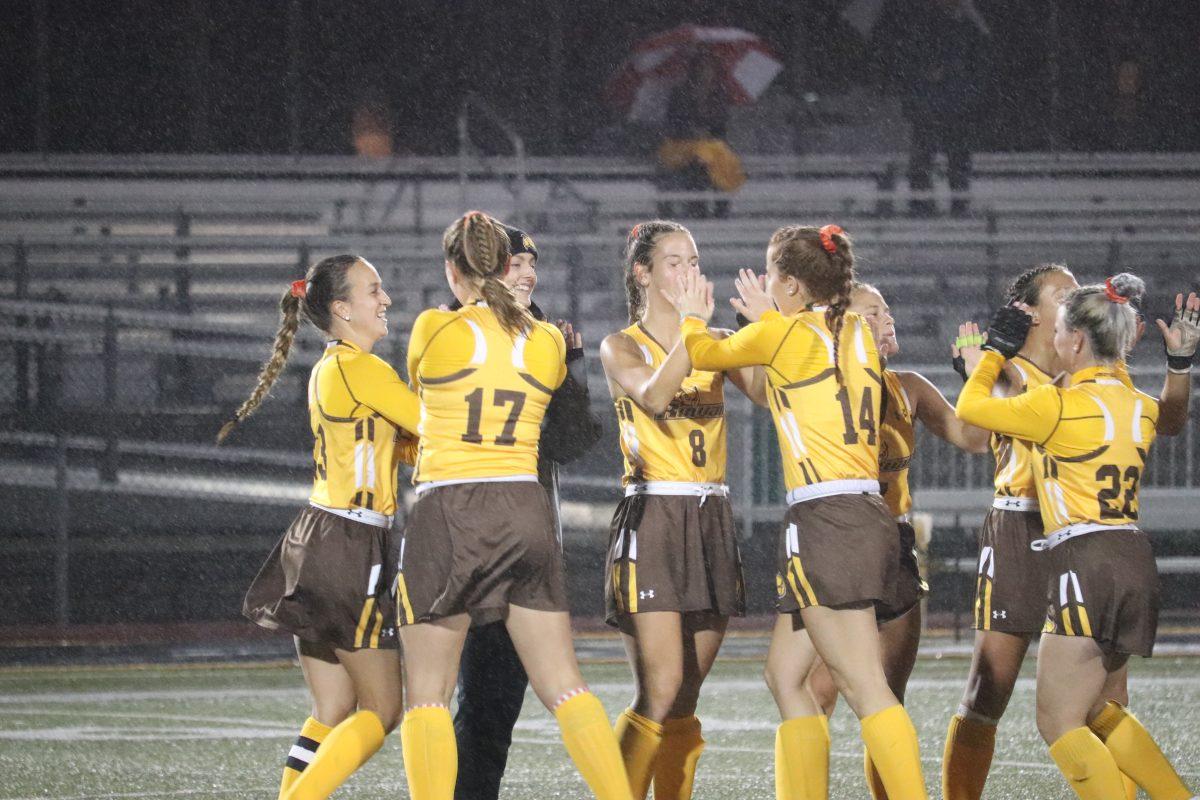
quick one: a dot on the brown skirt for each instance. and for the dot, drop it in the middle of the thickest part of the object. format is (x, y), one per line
(1010, 587)
(673, 553)
(328, 580)
(910, 586)
(1104, 585)
(838, 551)
(479, 547)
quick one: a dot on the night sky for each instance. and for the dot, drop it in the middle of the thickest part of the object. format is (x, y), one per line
(127, 76)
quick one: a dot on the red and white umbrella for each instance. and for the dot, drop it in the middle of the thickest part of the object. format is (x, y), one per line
(642, 86)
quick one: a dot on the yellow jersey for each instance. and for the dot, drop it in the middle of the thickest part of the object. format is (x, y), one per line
(828, 431)
(1090, 440)
(685, 443)
(359, 410)
(1014, 459)
(897, 443)
(483, 393)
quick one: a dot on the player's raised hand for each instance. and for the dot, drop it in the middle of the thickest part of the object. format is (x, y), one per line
(1008, 329)
(571, 336)
(692, 295)
(967, 349)
(752, 300)
(1183, 334)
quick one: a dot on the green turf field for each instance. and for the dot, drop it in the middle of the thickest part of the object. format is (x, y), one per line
(200, 732)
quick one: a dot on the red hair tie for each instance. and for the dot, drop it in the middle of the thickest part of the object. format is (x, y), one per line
(634, 232)
(826, 233)
(299, 288)
(1111, 293)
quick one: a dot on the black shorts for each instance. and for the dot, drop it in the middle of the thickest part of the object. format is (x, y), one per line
(837, 551)
(479, 547)
(1104, 585)
(673, 553)
(910, 586)
(328, 581)
(1010, 585)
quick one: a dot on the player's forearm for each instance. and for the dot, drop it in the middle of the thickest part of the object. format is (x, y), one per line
(1173, 403)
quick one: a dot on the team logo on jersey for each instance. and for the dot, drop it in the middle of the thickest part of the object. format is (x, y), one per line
(646, 594)
(688, 403)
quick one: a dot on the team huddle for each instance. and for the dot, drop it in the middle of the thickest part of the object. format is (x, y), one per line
(473, 590)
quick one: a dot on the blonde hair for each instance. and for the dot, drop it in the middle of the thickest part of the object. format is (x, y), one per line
(1110, 325)
(479, 249)
(325, 282)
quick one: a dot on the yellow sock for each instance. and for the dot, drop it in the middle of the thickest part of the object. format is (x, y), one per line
(1087, 765)
(639, 739)
(1136, 753)
(874, 782)
(675, 766)
(802, 759)
(346, 748)
(591, 744)
(430, 753)
(891, 740)
(967, 758)
(312, 733)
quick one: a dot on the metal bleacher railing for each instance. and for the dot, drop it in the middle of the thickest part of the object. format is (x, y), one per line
(144, 289)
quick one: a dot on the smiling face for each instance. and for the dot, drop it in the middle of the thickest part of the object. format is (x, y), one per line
(868, 302)
(673, 255)
(522, 277)
(362, 316)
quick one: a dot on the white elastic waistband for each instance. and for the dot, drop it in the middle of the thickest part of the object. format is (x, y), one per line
(802, 494)
(359, 515)
(1015, 503)
(677, 488)
(421, 488)
(1071, 531)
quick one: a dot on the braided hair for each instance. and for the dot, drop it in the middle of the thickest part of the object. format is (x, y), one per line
(1028, 285)
(478, 247)
(639, 249)
(822, 259)
(325, 282)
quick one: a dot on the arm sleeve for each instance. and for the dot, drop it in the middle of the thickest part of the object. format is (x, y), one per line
(1032, 415)
(373, 383)
(571, 428)
(754, 344)
(423, 329)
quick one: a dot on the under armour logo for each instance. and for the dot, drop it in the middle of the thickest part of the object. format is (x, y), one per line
(999, 615)
(646, 594)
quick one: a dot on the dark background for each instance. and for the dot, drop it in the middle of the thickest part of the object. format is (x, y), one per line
(193, 76)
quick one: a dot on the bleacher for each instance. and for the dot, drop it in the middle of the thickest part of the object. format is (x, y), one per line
(153, 281)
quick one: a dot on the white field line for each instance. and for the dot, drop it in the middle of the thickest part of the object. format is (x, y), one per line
(284, 728)
(299, 693)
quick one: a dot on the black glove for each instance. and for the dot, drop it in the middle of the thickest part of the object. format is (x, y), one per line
(960, 366)
(1006, 335)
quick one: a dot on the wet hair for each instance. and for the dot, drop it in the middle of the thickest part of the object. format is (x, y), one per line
(827, 275)
(1109, 325)
(478, 247)
(325, 282)
(639, 249)
(1028, 285)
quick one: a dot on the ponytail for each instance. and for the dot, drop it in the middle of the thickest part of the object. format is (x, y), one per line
(313, 296)
(479, 249)
(823, 260)
(289, 323)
